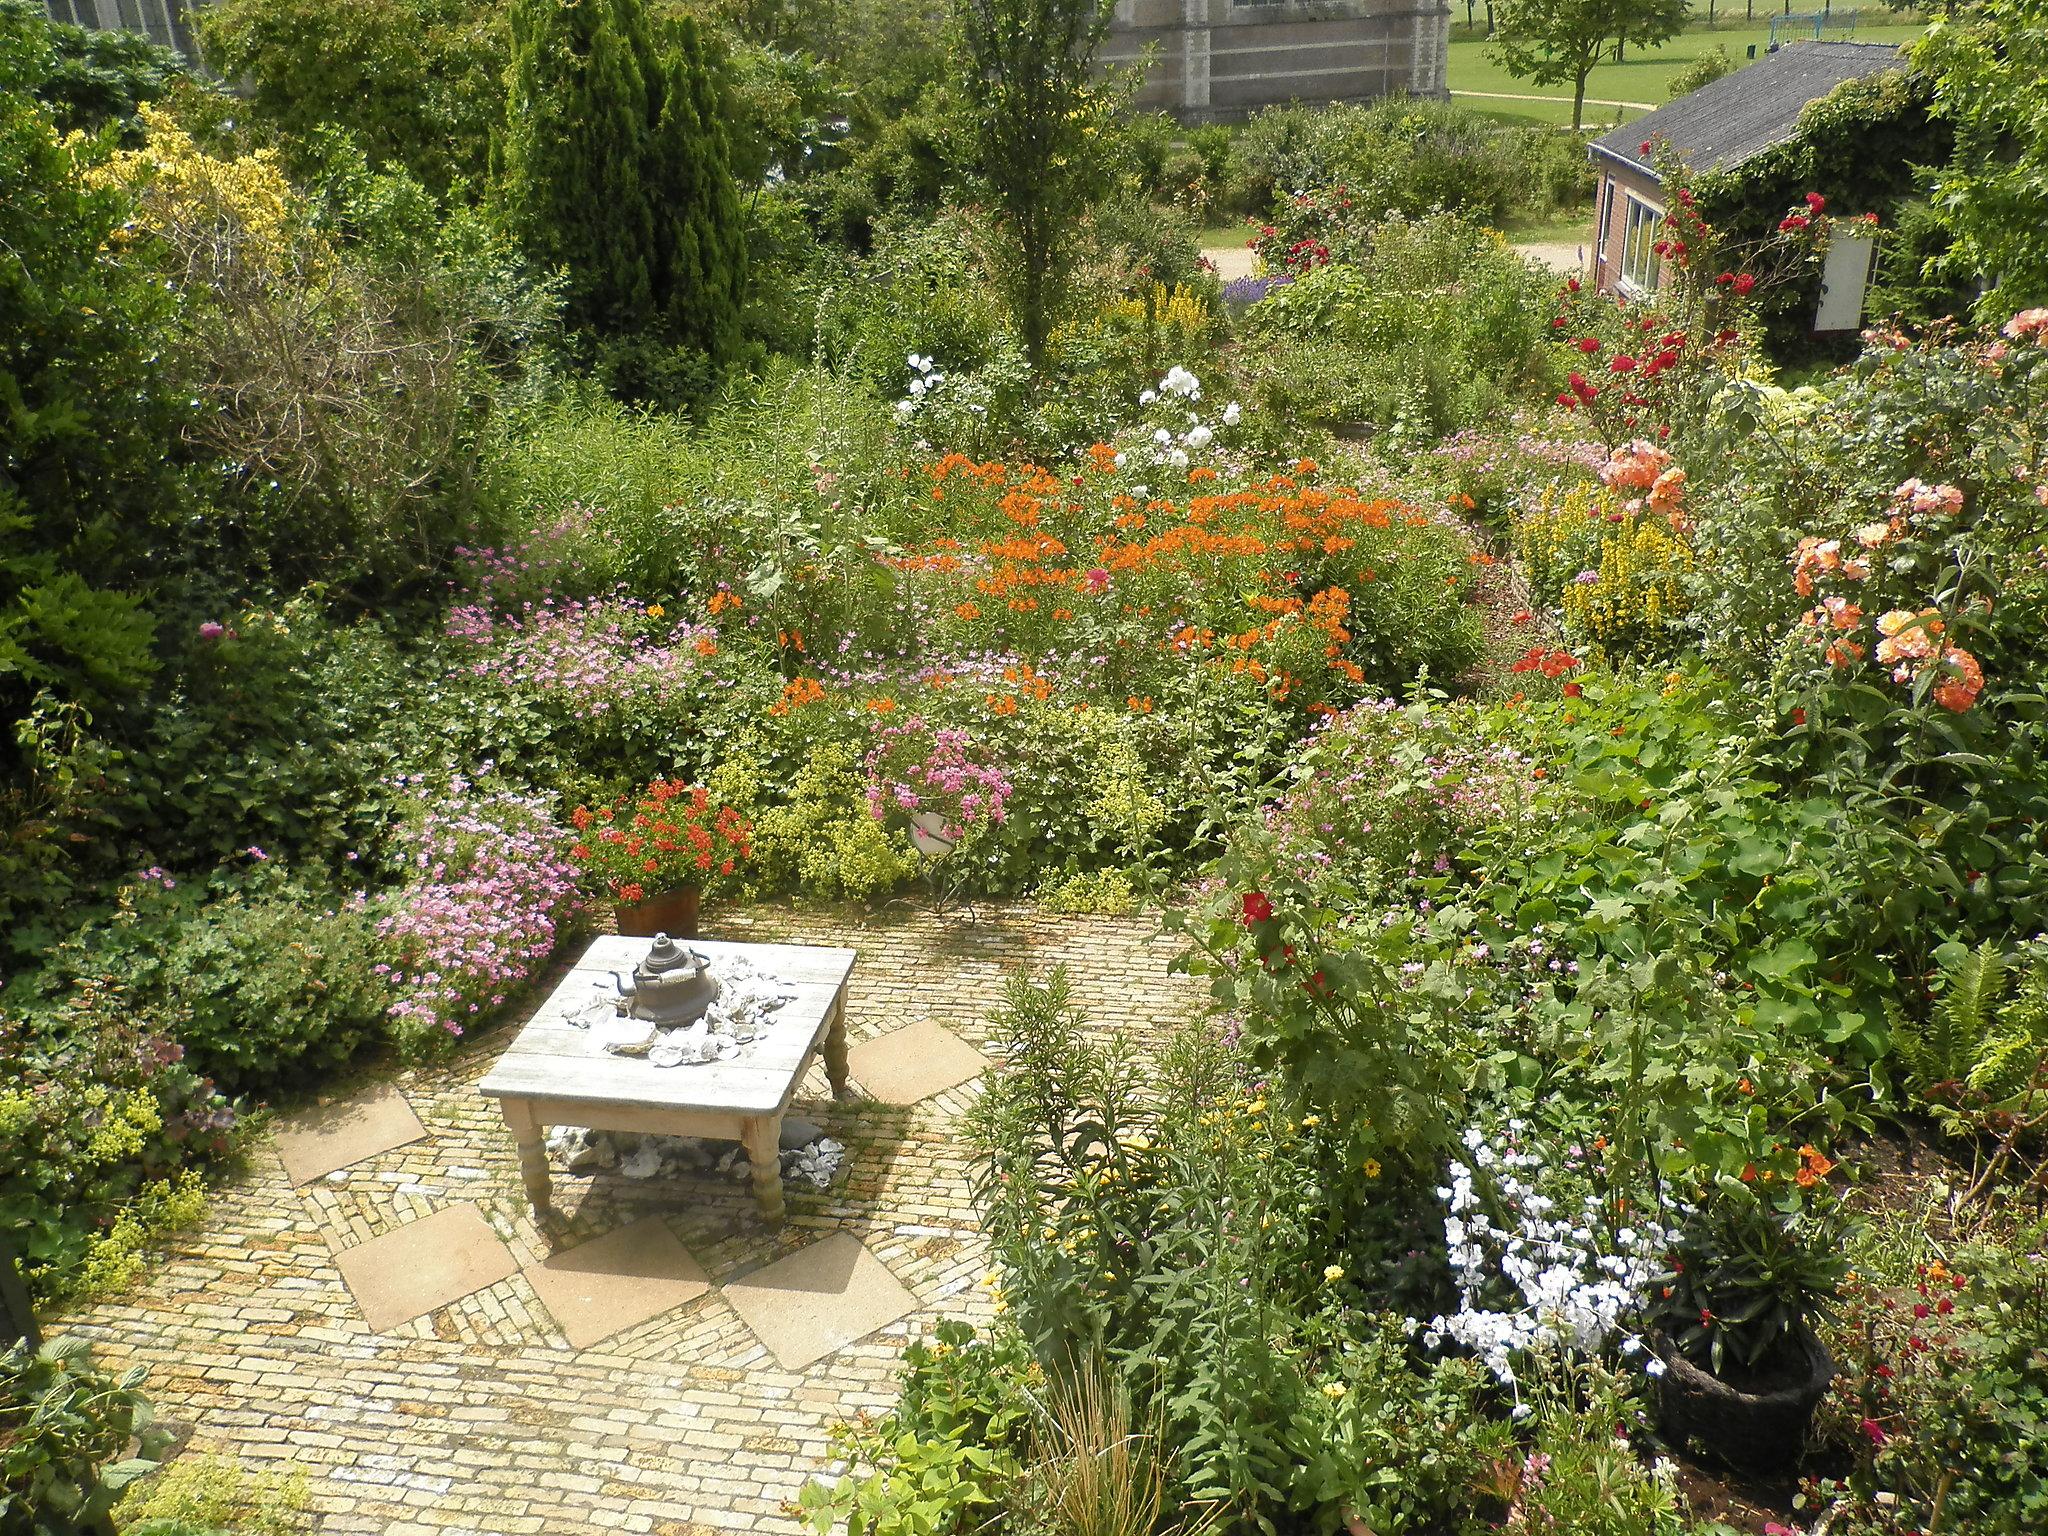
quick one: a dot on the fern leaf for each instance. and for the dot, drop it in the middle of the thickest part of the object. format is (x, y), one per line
(2004, 1065)
(1973, 989)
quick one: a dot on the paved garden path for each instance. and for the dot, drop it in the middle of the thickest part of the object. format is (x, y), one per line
(479, 1417)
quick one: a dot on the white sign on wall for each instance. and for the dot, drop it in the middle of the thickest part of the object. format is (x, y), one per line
(1844, 280)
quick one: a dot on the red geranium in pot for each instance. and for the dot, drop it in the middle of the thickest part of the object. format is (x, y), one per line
(656, 852)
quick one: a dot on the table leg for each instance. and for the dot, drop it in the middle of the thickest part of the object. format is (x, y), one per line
(835, 1048)
(763, 1139)
(533, 1153)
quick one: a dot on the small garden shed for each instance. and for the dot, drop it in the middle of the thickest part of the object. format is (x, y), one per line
(1840, 118)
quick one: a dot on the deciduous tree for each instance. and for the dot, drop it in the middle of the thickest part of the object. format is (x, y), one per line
(1549, 42)
(1991, 83)
(1037, 108)
(416, 81)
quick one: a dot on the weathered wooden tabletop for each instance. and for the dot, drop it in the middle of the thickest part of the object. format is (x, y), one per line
(554, 1059)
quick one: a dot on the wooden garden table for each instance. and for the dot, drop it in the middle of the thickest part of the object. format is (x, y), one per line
(555, 1073)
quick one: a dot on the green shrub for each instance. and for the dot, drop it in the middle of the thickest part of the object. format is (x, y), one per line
(1434, 326)
(1706, 67)
(65, 1429)
(1400, 155)
(1182, 1222)
(99, 1129)
(268, 984)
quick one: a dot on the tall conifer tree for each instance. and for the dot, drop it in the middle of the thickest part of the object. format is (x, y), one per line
(614, 166)
(706, 253)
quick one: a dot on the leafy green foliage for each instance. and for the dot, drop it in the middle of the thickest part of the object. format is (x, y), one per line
(99, 1122)
(1748, 1282)
(1704, 70)
(1947, 1405)
(84, 472)
(1977, 1048)
(266, 984)
(1400, 155)
(1182, 1225)
(415, 81)
(1990, 72)
(613, 167)
(203, 1495)
(64, 1428)
(945, 1459)
(1038, 113)
(1429, 325)
(89, 79)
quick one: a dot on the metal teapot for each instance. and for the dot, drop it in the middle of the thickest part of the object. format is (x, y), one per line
(672, 986)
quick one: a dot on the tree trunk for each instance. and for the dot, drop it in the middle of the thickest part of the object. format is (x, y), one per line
(1579, 98)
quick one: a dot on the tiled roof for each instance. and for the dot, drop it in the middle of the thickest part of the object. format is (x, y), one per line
(1741, 114)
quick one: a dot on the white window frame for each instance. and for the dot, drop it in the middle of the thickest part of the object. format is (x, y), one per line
(1641, 267)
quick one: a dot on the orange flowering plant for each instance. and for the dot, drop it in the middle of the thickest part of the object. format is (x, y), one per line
(669, 836)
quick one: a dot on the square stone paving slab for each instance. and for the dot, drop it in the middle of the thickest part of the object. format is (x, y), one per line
(914, 1062)
(320, 1141)
(425, 1264)
(612, 1282)
(819, 1299)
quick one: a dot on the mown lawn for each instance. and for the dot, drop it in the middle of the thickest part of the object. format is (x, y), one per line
(1641, 77)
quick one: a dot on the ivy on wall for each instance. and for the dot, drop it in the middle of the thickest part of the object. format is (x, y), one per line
(1863, 147)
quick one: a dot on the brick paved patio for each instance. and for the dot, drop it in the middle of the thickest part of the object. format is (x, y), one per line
(479, 1417)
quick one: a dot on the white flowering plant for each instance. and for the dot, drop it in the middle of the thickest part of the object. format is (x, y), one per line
(1548, 1264)
(1175, 431)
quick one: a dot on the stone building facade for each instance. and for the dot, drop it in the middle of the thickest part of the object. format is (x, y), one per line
(1215, 60)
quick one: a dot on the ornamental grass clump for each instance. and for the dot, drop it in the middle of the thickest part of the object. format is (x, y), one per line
(670, 836)
(493, 890)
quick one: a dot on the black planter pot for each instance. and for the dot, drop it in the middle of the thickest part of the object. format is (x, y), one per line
(1757, 1431)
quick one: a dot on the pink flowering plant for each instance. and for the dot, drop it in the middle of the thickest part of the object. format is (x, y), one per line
(922, 769)
(492, 892)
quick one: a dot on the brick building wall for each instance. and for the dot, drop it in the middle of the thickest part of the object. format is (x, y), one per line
(1612, 245)
(1221, 59)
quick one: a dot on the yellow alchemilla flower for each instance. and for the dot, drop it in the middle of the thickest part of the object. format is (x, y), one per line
(1332, 1273)
(1333, 1390)
(1311, 1119)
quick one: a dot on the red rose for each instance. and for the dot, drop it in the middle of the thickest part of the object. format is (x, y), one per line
(1572, 690)
(1743, 284)
(1815, 201)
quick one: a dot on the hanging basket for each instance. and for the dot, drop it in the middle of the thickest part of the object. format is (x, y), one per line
(931, 833)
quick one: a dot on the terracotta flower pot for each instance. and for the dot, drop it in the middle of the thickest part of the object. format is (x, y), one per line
(1762, 1429)
(672, 912)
